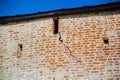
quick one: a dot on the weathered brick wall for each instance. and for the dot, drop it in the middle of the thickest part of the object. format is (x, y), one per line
(77, 52)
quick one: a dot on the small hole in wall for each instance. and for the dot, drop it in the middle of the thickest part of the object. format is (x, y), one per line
(20, 47)
(55, 25)
(106, 41)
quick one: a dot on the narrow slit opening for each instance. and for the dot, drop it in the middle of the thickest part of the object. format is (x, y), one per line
(55, 25)
(20, 47)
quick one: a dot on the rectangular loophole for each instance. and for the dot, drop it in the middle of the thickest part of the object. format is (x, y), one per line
(55, 25)
(106, 41)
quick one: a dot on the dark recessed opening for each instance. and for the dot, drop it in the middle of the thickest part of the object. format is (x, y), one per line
(106, 41)
(20, 46)
(55, 25)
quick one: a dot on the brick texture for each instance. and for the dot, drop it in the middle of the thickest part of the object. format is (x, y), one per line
(77, 52)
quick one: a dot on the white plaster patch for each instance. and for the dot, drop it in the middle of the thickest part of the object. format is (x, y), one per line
(111, 33)
(45, 72)
(59, 74)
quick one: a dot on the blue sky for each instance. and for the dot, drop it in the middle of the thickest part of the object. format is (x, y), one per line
(18, 7)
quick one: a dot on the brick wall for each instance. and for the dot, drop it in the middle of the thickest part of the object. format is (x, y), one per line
(30, 50)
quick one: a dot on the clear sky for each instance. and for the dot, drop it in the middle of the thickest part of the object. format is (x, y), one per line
(18, 7)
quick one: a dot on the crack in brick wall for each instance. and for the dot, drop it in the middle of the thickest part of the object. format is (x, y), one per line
(70, 52)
